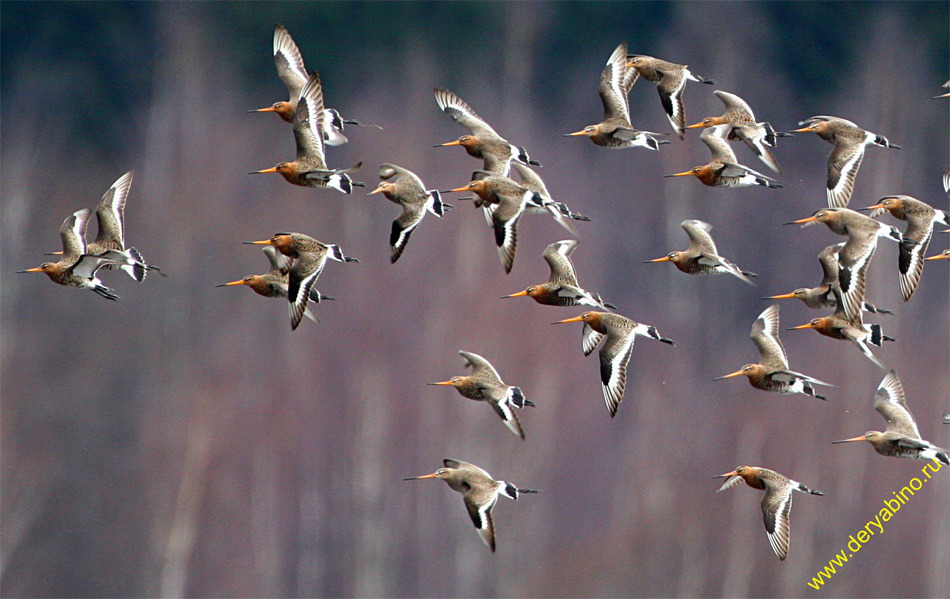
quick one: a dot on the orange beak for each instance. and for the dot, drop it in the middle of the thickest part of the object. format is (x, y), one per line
(663, 259)
(433, 475)
(874, 207)
(943, 256)
(810, 219)
(268, 109)
(451, 143)
(783, 296)
(377, 190)
(683, 174)
(802, 130)
(442, 383)
(575, 133)
(272, 169)
(265, 242)
(241, 282)
(861, 438)
(37, 269)
(575, 319)
(519, 294)
(728, 376)
(727, 474)
(694, 126)
(466, 188)
(807, 325)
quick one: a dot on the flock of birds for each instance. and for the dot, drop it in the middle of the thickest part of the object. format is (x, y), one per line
(297, 260)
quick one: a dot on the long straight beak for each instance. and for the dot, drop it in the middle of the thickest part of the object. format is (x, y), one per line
(519, 294)
(728, 376)
(783, 296)
(861, 438)
(451, 143)
(241, 282)
(663, 259)
(800, 327)
(37, 269)
(441, 383)
(874, 207)
(268, 109)
(801, 221)
(575, 133)
(694, 126)
(265, 242)
(272, 169)
(575, 319)
(726, 475)
(683, 174)
(460, 188)
(53, 253)
(802, 130)
(943, 256)
(377, 190)
(433, 475)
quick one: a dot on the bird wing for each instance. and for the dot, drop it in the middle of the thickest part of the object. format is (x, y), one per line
(111, 212)
(479, 503)
(87, 265)
(843, 164)
(73, 234)
(558, 256)
(612, 91)
(614, 357)
(482, 369)
(911, 256)
(718, 146)
(503, 409)
(764, 335)
(853, 261)
(505, 223)
(403, 227)
(890, 403)
(735, 104)
(289, 63)
(776, 510)
(463, 114)
(700, 240)
(590, 338)
(279, 263)
(403, 176)
(731, 482)
(828, 258)
(302, 277)
(308, 123)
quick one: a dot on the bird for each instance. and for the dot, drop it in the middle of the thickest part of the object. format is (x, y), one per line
(77, 268)
(479, 492)
(402, 186)
(740, 124)
(670, 79)
(274, 282)
(702, 257)
(615, 130)
(723, 169)
(845, 158)
(310, 169)
(485, 384)
(901, 439)
(821, 297)
(920, 219)
(504, 201)
(855, 256)
(310, 256)
(110, 214)
(772, 373)
(850, 328)
(561, 288)
(776, 503)
(291, 70)
(483, 142)
(944, 255)
(563, 215)
(615, 353)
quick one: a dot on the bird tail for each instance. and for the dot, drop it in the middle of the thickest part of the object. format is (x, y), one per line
(435, 205)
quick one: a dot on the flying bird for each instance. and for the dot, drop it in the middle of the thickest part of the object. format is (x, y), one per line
(274, 283)
(845, 158)
(920, 219)
(618, 333)
(483, 143)
(723, 169)
(291, 70)
(739, 124)
(402, 186)
(310, 256)
(485, 384)
(310, 169)
(702, 257)
(615, 130)
(821, 297)
(776, 503)
(77, 268)
(771, 373)
(670, 79)
(479, 492)
(531, 181)
(901, 439)
(561, 288)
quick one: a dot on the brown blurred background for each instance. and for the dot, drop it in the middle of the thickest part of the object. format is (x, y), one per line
(184, 442)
